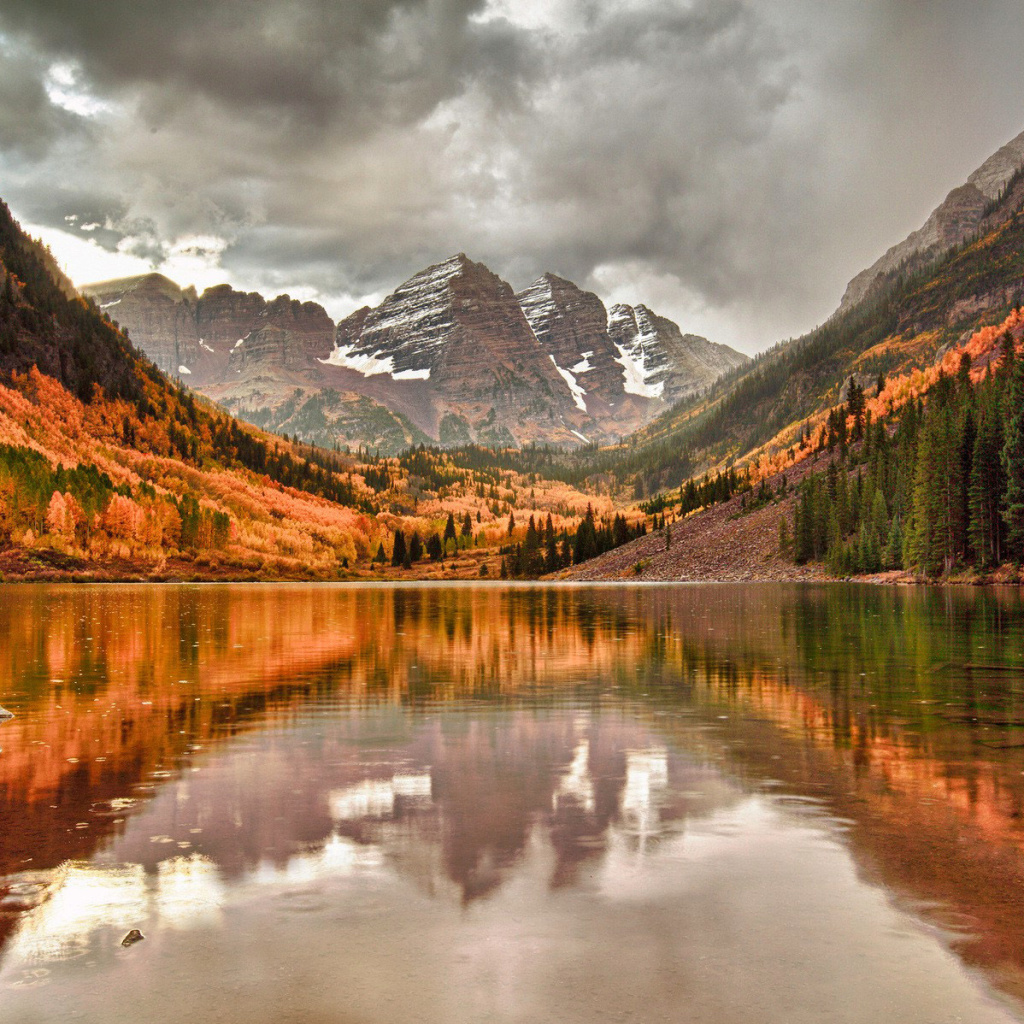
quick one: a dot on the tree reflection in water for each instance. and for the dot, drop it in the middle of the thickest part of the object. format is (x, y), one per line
(173, 744)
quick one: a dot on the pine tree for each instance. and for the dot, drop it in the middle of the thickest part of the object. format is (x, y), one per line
(936, 508)
(785, 538)
(435, 548)
(1013, 461)
(967, 432)
(398, 551)
(987, 487)
(855, 405)
(415, 547)
(585, 545)
(552, 560)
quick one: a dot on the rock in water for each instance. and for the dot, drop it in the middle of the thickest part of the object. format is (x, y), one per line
(132, 937)
(5, 714)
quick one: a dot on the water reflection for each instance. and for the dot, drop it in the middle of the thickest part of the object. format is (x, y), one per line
(184, 756)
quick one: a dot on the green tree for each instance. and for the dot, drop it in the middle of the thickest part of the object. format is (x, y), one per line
(585, 545)
(415, 547)
(1013, 461)
(398, 551)
(987, 487)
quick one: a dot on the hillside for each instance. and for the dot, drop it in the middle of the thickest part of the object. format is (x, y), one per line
(110, 470)
(908, 325)
(959, 217)
(922, 478)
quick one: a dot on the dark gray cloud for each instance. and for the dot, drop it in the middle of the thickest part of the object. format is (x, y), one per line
(30, 123)
(731, 162)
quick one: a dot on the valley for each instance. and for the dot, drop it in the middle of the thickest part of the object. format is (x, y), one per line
(462, 430)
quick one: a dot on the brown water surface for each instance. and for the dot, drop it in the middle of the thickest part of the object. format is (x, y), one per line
(759, 803)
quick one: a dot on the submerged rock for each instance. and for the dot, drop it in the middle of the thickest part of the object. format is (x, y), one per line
(5, 714)
(132, 937)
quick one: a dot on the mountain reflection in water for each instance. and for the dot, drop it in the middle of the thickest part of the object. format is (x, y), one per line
(195, 760)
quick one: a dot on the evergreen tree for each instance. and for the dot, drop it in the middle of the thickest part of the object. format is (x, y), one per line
(398, 551)
(936, 509)
(415, 547)
(967, 432)
(585, 546)
(532, 559)
(785, 538)
(1013, 460)
(855, 406)
(987, 486)
(552, 560)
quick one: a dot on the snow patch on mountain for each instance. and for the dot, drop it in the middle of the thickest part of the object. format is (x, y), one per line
(370, 365)
(583, 365)
(367, 365)
(577, 392)
(635, 370)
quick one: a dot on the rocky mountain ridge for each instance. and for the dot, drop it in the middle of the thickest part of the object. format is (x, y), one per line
(957, 218)
(453, 355)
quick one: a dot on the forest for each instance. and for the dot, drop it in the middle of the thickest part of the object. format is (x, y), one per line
(940, 490)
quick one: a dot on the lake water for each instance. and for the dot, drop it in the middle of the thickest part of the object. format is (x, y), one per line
(750, 803)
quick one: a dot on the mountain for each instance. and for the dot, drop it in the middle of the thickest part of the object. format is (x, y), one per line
(660, 361)
(201, 339)
(110, 470)
(452, 356)
(960, 216)
(457, 328)
(619, 364)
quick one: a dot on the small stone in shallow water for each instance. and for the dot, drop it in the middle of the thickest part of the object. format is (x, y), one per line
(132, 937)
(4, 713)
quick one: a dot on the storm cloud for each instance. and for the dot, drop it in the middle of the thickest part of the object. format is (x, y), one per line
(731, 163)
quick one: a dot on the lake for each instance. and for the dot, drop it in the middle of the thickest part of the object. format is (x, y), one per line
(706, 803)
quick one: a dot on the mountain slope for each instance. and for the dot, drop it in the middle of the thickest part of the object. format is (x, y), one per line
(906, 323)
(960, 215)
(109, 470)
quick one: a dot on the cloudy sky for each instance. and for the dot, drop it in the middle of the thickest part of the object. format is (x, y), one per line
(732, 163)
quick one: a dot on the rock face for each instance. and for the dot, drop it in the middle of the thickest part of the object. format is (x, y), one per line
(201, 338)
(284, 335)
(956, 219)
(452, 355)
(459, 327)
(571, 326)
(159, 316)
(659, 361)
